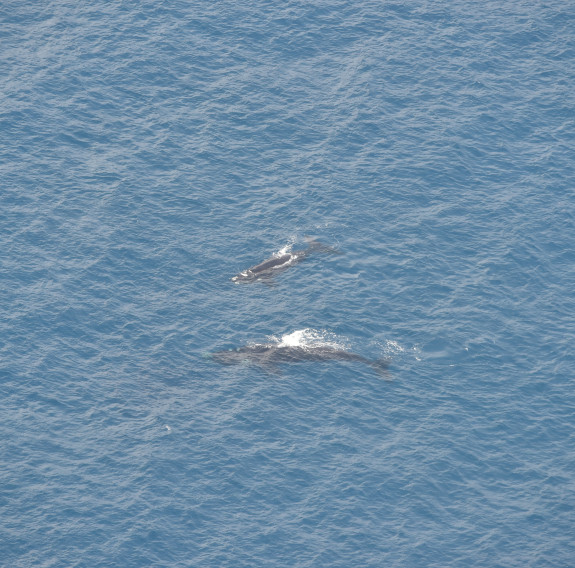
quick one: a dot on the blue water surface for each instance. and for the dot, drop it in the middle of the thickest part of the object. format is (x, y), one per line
(149, 151)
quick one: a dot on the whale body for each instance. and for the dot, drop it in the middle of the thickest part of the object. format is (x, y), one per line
(270, 356)
(276, 264)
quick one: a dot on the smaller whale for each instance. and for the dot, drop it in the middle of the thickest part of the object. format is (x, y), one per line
(269, 356)
(276, 264)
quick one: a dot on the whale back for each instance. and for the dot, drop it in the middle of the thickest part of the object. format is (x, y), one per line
(271, 263)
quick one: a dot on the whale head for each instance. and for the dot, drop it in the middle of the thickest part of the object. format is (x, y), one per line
(244, 276)
(228, 357)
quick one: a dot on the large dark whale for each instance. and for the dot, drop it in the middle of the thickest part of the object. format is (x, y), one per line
(268, 268)
(270, 356)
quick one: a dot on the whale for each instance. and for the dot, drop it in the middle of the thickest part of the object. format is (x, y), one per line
(276, 264)
(269, 357)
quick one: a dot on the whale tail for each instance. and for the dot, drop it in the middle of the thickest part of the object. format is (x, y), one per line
(315, 245)
(381, 367)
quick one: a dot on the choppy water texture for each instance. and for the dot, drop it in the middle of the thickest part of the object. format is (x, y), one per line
(150, 151)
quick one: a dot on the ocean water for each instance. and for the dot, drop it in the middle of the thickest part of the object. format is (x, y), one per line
(149, 151)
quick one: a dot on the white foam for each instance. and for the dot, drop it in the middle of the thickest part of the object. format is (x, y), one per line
(286, 248)
(310, 338)
(394, 349)
(393, 346)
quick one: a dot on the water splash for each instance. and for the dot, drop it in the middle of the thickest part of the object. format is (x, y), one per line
(287, 247)
(393, 347)
(309, 337)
